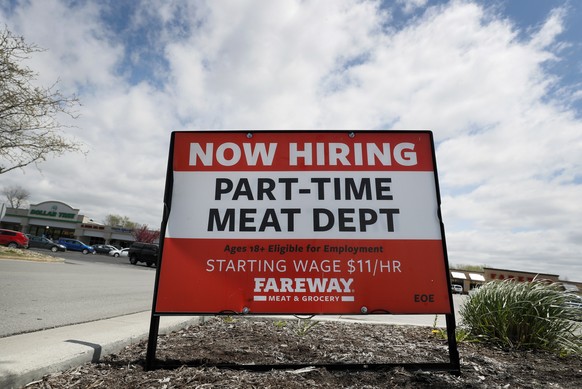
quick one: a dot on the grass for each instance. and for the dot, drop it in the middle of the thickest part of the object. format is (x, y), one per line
(522, 315)
(461, 333)
(280, 324)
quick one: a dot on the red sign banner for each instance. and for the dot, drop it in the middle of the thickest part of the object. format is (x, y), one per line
(302, 222)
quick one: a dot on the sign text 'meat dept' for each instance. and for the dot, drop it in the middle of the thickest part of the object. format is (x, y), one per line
(302, 222)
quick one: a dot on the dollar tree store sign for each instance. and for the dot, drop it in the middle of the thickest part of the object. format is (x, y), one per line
(302, 222)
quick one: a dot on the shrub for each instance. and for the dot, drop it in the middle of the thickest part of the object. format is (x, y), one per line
(522, 315)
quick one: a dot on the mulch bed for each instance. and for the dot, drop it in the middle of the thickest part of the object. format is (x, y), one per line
(263, 341)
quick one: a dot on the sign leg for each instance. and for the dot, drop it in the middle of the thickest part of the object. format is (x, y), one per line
(452, 340)
(152, 343)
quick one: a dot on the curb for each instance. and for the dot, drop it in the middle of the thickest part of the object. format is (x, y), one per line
(28, 357)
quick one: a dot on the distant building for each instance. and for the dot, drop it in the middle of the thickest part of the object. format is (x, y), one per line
(518, 275)
(467, 279)
(472, 279)
(55, 219)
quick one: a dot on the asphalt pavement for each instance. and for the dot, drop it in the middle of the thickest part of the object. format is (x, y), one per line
(40, 295)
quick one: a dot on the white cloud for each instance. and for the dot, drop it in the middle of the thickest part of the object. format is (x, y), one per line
(78, 52)
(409, 6)
(509, 157)
(553, 26)
(262, 67)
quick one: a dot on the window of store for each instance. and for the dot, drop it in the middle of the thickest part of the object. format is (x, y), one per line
(11, 226)
(51, 232)
(93, 241)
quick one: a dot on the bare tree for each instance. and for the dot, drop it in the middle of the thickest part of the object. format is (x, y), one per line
(29, 129)
(16, 195)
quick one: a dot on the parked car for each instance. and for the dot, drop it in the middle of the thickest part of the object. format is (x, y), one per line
(13, 239)
(44, 243)
(119, 253)
(455, 288)
(104, 248)
(143, 252)
(76, 245)
(574, 304)
(115, 252)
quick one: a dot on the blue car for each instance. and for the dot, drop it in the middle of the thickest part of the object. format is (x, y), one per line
(76, 245)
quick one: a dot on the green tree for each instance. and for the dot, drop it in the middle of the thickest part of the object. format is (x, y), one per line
(120, 221)
(29, 126)
(462, 266)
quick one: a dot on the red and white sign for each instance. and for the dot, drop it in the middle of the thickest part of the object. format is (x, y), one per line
(303, 223)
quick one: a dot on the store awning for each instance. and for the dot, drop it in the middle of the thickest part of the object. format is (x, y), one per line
(476, 277)
(458, 275)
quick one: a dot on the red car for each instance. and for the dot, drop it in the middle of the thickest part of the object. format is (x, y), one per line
(13, 239)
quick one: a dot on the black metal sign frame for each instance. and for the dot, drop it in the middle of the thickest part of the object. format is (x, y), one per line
(453, 366)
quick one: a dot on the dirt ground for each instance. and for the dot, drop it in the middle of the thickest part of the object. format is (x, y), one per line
(261, 341)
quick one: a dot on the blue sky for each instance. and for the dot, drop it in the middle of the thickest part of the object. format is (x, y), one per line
(499, 83)
(142, 55)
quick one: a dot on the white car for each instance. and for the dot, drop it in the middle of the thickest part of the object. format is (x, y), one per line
(574, 304)
(115, 253)
(455, 288)
(122, 253)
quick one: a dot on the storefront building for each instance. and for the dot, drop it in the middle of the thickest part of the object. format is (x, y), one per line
(55, 219)
(521, 276)
(470, 280)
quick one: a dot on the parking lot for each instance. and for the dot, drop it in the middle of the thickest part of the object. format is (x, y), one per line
(39, 295)
(89, 258)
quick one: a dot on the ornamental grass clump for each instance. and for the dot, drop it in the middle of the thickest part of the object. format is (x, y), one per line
(522, 315)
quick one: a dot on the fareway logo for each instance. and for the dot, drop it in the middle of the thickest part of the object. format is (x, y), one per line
(303, 285)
